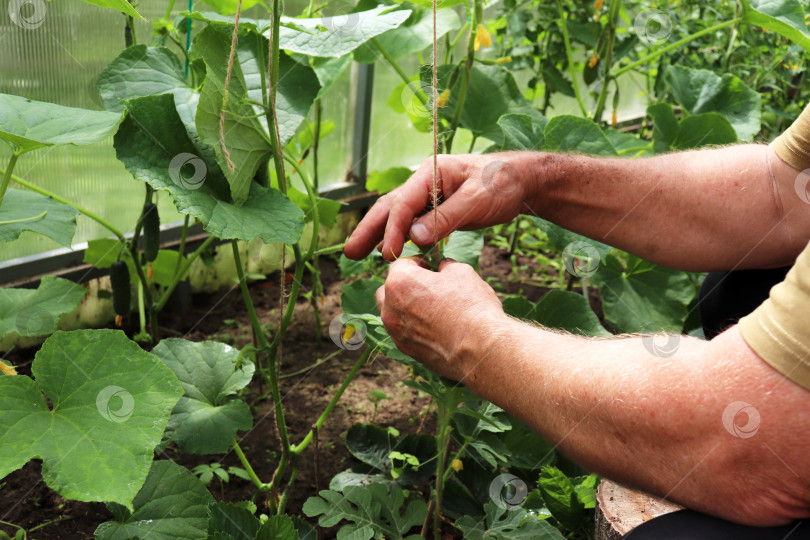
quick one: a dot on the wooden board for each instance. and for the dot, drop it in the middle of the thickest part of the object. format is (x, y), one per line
(620, 510)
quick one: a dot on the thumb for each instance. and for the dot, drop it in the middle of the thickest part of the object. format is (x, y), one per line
(451, 214)
(445, 264)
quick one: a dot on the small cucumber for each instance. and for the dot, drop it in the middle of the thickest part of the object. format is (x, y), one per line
(151, 231)
(122, 294)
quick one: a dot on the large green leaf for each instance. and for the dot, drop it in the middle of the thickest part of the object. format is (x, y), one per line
(121, 5)
(574, 134)
(387, 180)
(562, 310)
(785, 17)
(464, 247)
(665, 126)
(111, 401)
(246, 139)
(322, 36)
(31, 312)
(206, 418)
(702, 91)
(413, 35)
(520, 132)
(501, 523)
(27, 125)
(375, 511)
(54, 220)
(705, 129)
(639, 296)
(171, 504)
(492, 93)
(152, 144)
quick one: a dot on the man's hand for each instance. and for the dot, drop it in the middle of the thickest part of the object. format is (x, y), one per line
(477, 191)
(433, 316)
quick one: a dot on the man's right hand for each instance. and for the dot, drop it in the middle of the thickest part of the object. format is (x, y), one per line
(477, 191)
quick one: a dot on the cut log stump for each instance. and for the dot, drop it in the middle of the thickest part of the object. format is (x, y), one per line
(620, 510)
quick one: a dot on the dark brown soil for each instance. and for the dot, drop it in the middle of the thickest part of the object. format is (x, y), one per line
(26, 501)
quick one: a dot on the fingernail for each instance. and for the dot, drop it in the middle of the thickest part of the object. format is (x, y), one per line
(419, 233)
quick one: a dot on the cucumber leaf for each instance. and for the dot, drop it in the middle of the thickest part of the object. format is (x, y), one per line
(27, 125)
(35, 312)
(54, 219)
(171, 504)
(207, 417)
(111, 401)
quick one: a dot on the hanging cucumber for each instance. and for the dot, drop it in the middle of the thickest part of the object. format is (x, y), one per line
(151, 231)
(122, 294)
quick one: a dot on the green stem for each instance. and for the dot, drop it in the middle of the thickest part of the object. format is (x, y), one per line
(456, 456)
(246, 465)
(98, 219)
(169, 9)
(331, 405)
(570, 56)
(443, 436)
(177, 278)
(282, 502)
(330, 249)
(7, 175)
(147, 292)
(404, 76)
(677, 44)
(465, 82)
(24, 220)
(271, 375)
(600, 103)
(181, 250)
(141, 309)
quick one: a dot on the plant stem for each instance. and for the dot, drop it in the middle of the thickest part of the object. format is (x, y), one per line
(282, 502)
(443, 440)
(177, 278)
(141, 309)
(570, 57)
(404, 76)
(300, 447)
(677, 44)
(25, 220)
(465, 82)
(7, 175)
(600, 103)
(246, 464)
(181, 250)
(330, 249)
(98, 219)
(271, 375)
(169, 9)
(147, 292)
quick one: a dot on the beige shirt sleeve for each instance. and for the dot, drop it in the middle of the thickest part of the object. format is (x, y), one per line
(793, 146)
(779, 330)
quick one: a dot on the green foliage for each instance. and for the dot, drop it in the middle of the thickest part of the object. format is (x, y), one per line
(27, 125)
(30, 312)
(171, 504)
(562, 310)
(374, 511)
(639, 296)
(384, 181)
(568, 499)
(374, 446)
(503, 523)
(50, 218)
(207, 417)
(110, 404)
(236, 522)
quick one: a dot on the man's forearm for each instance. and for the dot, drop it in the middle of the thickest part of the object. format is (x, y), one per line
(718, 209)
(651, 422)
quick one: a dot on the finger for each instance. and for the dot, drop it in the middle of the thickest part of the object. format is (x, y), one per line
(420, 260)
(369, 231)
(445, 263)
(380, 297)
(409, 202)
(452, 215)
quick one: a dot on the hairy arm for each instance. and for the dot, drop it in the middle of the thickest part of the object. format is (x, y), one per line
(665, 425)
(716, 209)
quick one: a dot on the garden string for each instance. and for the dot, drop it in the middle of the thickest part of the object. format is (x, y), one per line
(435, 107)
(225, 91)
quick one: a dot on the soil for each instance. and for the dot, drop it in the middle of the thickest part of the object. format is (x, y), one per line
(25, 500)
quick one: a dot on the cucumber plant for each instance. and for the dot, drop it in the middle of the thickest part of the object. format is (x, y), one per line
(217, 120)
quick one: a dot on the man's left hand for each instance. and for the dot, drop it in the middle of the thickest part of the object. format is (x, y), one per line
(437, 317)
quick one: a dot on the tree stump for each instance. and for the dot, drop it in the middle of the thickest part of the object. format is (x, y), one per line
(620, 510)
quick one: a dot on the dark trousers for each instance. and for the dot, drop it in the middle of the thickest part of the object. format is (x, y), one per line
(725, 297)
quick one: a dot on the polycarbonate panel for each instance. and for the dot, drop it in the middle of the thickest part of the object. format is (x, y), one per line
(57, 57)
